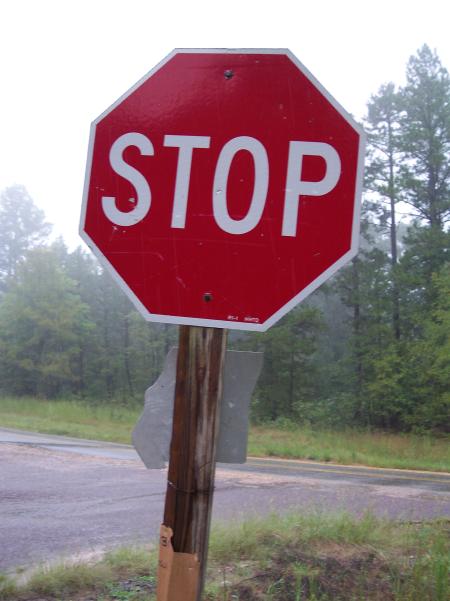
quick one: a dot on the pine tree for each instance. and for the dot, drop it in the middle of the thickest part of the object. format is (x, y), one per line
(426, 375)
(425, 180)
(364, 289)
(382, 125)
(288, 380)
(425, 138)
(22, 227)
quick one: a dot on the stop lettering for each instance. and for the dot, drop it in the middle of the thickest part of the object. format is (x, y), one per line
(223, 188)
(295, 185)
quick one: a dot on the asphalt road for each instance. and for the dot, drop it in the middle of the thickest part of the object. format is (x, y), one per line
(64, 497)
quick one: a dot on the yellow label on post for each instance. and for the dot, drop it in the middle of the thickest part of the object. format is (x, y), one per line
(178, 573)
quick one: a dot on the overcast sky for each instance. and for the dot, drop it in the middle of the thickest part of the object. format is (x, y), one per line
(64, 62)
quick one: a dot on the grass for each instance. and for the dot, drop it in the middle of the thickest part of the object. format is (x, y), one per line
(112, 423)
(125, 573)
(297, 557)
(115, 422)
(378, 449)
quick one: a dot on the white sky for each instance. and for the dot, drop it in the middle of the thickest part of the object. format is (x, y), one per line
(62, 63)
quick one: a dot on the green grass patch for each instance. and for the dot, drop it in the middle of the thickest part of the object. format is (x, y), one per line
(297, 557)
(125, 573)
(352, 447)
(114, 423)
(108, 422)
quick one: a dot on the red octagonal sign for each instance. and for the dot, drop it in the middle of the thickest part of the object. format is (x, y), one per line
(223, 188)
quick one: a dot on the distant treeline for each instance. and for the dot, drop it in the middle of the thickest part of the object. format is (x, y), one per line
(370, 349)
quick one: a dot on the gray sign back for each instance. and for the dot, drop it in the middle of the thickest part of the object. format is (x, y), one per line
(152, 433)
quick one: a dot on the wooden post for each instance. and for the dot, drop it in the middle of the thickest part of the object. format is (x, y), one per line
(187, 513)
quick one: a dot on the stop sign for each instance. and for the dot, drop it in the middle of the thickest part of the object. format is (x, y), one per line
(223, 188)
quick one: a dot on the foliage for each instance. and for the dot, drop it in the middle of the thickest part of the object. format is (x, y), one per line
(287, 381)
(65, 328)
(22, 227)
(392, 291)
(428, 366)
(42, 322)
(425, 138)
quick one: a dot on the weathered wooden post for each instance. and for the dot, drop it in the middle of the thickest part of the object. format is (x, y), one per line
(190, 485)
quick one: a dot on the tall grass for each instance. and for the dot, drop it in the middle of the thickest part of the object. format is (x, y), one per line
(339, 557)
(254, 537)
(379, 449)
(296, 557)
(136, 565)
(109, 422)
(114, 422)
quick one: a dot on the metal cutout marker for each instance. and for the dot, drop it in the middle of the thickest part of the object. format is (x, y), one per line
(152, 433)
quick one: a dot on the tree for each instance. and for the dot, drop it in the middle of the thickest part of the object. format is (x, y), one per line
(365, 290)
(425, 181)
(427, 373)
(22, 227)
(409, 144)
(42, 325)
(382, 174)
(425, 138)
(427, 251)
(83, 269)
(122, 354)
(288, 378)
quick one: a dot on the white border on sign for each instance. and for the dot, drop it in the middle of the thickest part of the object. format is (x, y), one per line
(214, 323)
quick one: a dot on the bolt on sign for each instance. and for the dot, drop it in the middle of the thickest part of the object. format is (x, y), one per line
(223, 188)
(220, 190)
